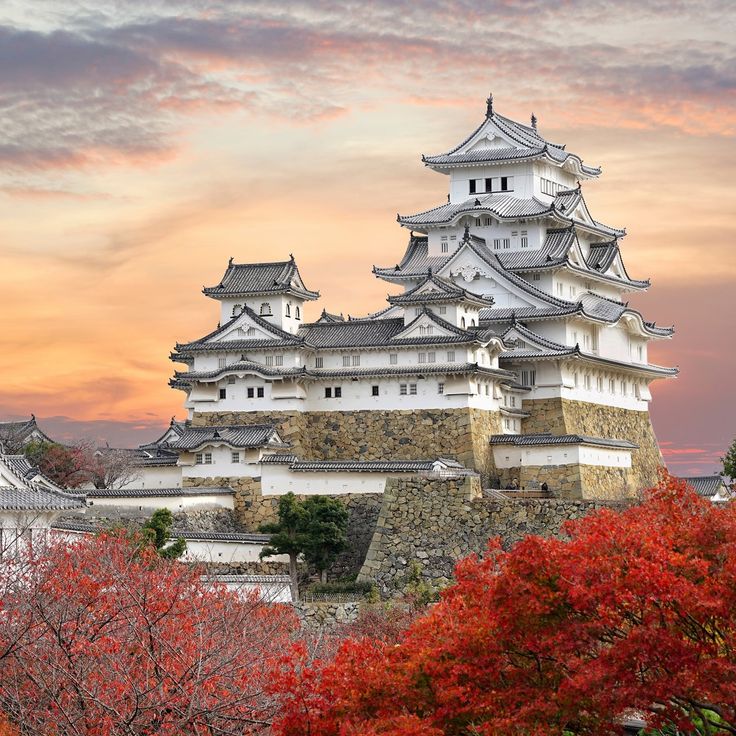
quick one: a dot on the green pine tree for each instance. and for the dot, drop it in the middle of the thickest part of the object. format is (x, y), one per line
(729, 462)
(325, 533)
(158, 530)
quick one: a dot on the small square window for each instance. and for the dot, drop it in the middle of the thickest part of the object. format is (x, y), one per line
(345, 361)
(393, 358)
(328, 392)
(402, 389)
(221, 362)
(251, 393)
(235, 457)
(319, 362)
(443, 310)
(231, 380)
(374, 390)
(431, 358)
(450, 356)
(208, 458)
(223, 393)
(412, 389)
(356, 360)
(269, 360)
(279, 360)
(338, 392)
(259, 393)
(198, 458)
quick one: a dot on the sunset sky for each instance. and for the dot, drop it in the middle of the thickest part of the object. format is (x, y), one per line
(142, 144)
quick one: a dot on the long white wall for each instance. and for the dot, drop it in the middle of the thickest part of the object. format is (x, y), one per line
(173, 503)
(506, 456)
(277, 480)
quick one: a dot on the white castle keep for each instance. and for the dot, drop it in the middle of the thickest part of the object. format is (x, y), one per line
(511, 351)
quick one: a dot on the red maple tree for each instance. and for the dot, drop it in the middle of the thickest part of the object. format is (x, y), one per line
(100, 638)
(635, 610)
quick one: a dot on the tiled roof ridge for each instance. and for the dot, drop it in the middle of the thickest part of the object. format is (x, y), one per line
(441, 322)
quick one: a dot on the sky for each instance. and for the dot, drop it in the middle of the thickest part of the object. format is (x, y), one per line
(143, 144)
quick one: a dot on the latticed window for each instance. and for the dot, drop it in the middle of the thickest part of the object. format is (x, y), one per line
(265, 309)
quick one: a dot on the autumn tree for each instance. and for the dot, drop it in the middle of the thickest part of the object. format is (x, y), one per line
(636, 609)
(109, 467)
(729, 463)
(100, 638)
(66, 466)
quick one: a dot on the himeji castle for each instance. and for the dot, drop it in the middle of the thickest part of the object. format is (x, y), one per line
(511, 350)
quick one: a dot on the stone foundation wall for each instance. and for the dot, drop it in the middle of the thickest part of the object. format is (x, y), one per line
(319, 615)
(415, 434)
(562, 416)
(437, 522)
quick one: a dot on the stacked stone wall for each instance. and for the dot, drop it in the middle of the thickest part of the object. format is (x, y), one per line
(436, 522)
(563, 416)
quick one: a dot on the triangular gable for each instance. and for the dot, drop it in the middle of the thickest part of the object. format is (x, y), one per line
(427, 324)
(469, 266)
(617, 268)
(245, 326)
(575, 254)
(488, 135)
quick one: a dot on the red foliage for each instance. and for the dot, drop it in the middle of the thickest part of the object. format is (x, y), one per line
(100, 638)
(637, 609)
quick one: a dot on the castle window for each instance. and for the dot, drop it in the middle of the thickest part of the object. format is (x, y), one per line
(462, 322)
(319, 362)
(640, 352)
(198, 458)
(279, 360)
(472, 186)
(450, 356)
(345, 361)
(559, 287)
(506, 243)
(259, 392)
(374, 390)
(422, 357)
(611, 386)
(497, 244)
(444, 246)
(431, 358)
(231, 380)
(573, 290)
(528, 378)
(443, 310)
(440, 388)
(265, 309)
(477, 388)
(237, 309)
(576, 378)
(486, 389)
(402, 389)
(537, 277)
(328, 392)
(588, 384)
(487, 221)
(298, 313)
(412, 389)
(223, 393)
(599, 384)
(356, 360)
(472, 323)
(507, 183)
(208, 458)
(338, 392)
(288, 310)
(250, 331)
(221, 362)
(524, 239)
(251, 393)
(269, 360)
(393, 358)
(235, 457)
(623, 388)
(513, 400)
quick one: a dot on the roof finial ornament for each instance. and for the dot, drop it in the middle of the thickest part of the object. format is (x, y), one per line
(230, 261)
(33, 417)
(291, 257)
(534, 121)
(173, 419)
(429, 272)
(489, 105)
(466, 234)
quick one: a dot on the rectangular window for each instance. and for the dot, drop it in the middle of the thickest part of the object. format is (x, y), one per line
(231, 380)
(472, 186)
(489, 184)
(497, 244)
(506, 243)
(356, 359)
(208, 458)
(221, 362)
(573, 291)
(431, 358)
(445, 247)
(345, 361)
(393, 358)
(487, 221)
(259, 392)
(611, 386)
(328, 392)
(559, 287)
(524, 239)
(338, 392)
(577, 379)
(422, 357)
(588, 384)
(450, 356)
(223, 393)
(413, 389)
(250, 331)
(319, 362)
(251, 393)
(485, 387)
(507, 183)
(537, 277)
(477, 388)
(443, 310)
(235, 457)
(269, 360)
(198, 458)
(402, 389)
(640, 352)
(374, 390)
(440, 388)
(599, 384)
(529, 378)
(279, 360)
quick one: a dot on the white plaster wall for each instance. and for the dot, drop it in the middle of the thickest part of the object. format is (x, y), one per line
(173, 503)
(460, 179)
(221, 465)
(275, 591)
(277, 480)
(506, 456)
(168, 476)
(224, 551)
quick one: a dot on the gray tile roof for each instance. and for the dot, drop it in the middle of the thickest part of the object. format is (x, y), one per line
(155, 459)
(33, 497)
(243, 579)
(241, 366)
(368, 466)
(22, 431)
(412, 370)
(553, 252)
(436, 289)
(528, 141)
(252, 279)
(705, 485)
(236, 436)
(207, 536)
(159, 492)
(545, 439)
